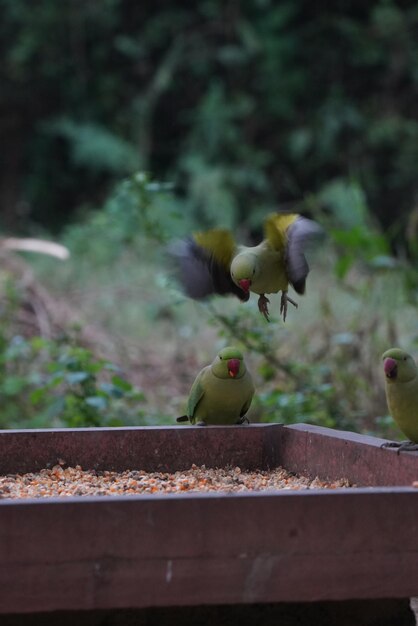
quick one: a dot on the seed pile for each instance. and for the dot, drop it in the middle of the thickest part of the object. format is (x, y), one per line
(74, 481)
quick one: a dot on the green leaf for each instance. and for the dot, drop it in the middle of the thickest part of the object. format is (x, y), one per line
(56, 379)
(342, 265)
(39, 343)
(38, 395)
(94, 147)
(13, 385)
(347, 200)
(384, 262)
(122, 383)
(73, 378)
(98, 402)
(111, 390)
(57, 407)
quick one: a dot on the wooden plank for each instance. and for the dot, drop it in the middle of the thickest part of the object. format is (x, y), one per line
(359, 612)
(168, 448)
(99, 553)
(107, 553)
(332, 454)
(310, 450)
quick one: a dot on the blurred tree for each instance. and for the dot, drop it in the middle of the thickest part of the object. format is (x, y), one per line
(244, 104)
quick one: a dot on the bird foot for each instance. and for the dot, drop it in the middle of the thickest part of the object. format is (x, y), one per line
(243, 420)
(401, 446)
(263, 306)
(283, 304)
(201, 423)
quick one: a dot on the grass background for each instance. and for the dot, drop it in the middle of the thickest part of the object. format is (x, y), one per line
(117, 297)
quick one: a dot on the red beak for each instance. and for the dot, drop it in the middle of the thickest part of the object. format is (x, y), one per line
(391, 367)
(233, 367)
(245, 283)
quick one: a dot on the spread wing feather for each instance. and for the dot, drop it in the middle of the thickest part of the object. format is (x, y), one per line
(291, 234)
(275, 227)
(300, 234)
(203, 263)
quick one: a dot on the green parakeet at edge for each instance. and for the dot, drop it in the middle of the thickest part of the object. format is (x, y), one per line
(401, 382)
(212, 263)
(222, 392)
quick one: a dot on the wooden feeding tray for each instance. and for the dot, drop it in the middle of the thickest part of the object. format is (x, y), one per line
(114, 552)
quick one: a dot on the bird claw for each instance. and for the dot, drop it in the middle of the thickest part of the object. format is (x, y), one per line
(243, 420)
(283, 304)
(402, 446)
(263, 306)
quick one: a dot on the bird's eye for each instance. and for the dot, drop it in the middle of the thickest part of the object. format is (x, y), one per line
(405, 358)
(220, 357)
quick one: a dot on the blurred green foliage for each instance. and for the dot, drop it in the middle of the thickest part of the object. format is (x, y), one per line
(330, 385)
(74, 390)
(59, 382)
(244, 105)
(323, 371)
(136, 209)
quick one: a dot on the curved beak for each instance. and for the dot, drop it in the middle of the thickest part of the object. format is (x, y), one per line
(390, 367)
(245, 284)
(233, 367)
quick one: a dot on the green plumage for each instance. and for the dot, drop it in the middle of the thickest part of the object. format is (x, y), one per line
(401, 382)
(222, 392)
(263, 265)
(213, 263)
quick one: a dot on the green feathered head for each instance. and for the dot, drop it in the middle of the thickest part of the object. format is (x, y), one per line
(244, 268)
(398, 366)
(229, 363)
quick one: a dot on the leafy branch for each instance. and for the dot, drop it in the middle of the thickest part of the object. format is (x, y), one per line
(253, 338)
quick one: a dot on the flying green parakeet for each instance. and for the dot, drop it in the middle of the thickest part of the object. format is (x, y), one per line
(212, 263)
(401, 382)
(222, 392)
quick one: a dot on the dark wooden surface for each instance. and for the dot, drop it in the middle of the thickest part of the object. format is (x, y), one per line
(310, 450)
(331, 454)
(157, 551)
(353, 613)
(149, 448)
(202, 549)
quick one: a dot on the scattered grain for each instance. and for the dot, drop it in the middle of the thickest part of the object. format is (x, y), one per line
(74, 481)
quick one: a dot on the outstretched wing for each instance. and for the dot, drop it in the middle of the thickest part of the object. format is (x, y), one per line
(275, 228)
(291, 233)
(300, 234)
(204, 262)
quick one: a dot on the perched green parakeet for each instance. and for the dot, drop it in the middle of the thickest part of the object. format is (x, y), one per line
(222, 392)
(401, 381)
(212, 263)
